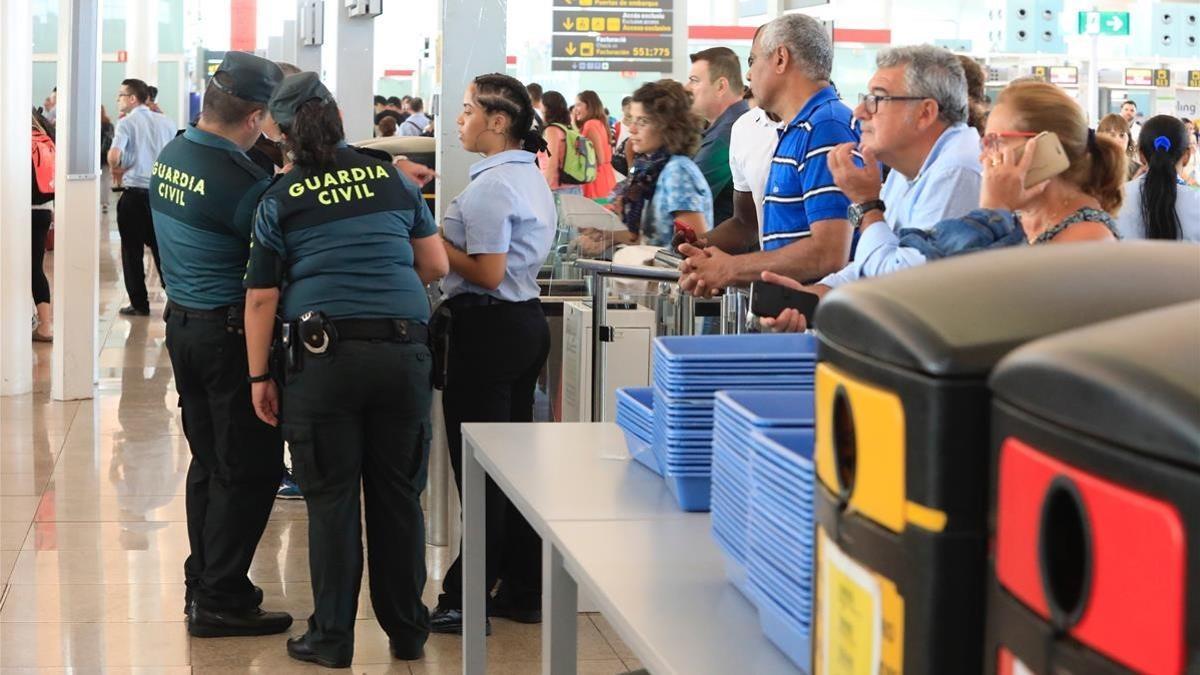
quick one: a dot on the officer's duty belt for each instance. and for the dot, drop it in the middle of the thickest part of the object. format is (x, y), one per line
(219, 314)
(391, 330)
(469, 300)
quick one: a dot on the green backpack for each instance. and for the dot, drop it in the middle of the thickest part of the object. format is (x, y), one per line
(579, 161)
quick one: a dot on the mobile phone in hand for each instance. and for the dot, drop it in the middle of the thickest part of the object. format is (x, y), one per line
(687, 231)
(768, 300)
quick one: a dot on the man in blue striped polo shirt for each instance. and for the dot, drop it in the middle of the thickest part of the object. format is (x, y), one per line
(805, 231)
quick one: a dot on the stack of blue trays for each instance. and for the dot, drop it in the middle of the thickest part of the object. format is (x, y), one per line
(689, 370)
(636, 419)
(736, 415)
(781, 543)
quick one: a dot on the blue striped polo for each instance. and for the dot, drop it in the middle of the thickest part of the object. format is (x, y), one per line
(800, 188)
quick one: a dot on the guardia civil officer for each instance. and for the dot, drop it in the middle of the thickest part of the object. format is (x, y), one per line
(353, 244)
(498, 233)
(202, 197)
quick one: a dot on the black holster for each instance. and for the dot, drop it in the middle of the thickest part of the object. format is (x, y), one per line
(439, 344)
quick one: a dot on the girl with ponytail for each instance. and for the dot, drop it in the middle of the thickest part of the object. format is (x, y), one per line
(498, 232)
(1159, 204)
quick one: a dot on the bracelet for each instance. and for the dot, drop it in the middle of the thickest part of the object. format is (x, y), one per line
(255, 379)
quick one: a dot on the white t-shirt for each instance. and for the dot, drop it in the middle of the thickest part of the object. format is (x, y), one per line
(752, 144)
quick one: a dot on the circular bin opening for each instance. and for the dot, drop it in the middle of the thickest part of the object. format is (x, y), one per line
(845, 446)
(1065, 552)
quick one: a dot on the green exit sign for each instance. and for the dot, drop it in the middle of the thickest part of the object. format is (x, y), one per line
(1104, 23)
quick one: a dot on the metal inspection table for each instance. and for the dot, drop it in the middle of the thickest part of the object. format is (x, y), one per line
(611, 526)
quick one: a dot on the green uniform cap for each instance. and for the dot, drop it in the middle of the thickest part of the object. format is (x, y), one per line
(248, 77)
(295, 91)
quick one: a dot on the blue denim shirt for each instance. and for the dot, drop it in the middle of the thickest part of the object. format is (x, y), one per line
(947, 186)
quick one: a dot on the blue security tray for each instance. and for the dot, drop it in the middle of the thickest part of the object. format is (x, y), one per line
(770, 408)
(748, 347)
(691, 492)
(791, 637)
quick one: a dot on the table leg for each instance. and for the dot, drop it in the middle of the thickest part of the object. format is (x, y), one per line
(474, 551)
(560, 611)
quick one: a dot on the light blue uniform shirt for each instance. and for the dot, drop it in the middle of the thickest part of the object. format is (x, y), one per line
(507, 208)
(1187, 209)
(947, 186)
(140, 136)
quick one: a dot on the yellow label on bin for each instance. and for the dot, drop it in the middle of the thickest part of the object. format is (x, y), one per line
(860, 617)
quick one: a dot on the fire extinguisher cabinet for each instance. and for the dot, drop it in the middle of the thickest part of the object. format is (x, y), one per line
(902, 446)
(1096, 438)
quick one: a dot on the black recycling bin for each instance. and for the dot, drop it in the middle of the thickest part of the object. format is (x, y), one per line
(902, 446)
(1096, 442)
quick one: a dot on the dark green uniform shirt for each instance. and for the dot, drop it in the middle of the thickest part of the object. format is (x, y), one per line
(203, 190)
(341, 240)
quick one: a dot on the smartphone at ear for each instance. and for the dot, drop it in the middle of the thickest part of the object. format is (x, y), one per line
(1049, 159)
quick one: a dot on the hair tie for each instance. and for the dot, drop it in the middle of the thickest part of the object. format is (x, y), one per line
(1091, 140)
(1162, 143)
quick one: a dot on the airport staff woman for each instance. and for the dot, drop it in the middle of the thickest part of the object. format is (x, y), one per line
(498, 232)
(354, 245)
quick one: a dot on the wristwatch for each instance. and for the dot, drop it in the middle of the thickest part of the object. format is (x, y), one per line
(856, 211)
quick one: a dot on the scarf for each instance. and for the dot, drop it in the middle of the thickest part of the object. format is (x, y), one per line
(636, 191)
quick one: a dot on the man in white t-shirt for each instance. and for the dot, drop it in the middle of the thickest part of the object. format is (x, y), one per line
(751, 146)
(752, 142)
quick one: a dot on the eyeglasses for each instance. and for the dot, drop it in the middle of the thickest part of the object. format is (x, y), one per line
(993, 141)
(870, 102)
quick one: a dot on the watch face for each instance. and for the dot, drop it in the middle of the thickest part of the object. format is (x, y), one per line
(854, 214)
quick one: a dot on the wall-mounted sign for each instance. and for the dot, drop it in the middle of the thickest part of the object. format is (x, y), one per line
(1194, 78)
(1041, 73)
(1139, 77)
(612, 35)
(1064, 75)
(1104, 23)
(1162, 77)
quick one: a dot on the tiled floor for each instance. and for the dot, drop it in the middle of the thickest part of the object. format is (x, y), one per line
(93, 538)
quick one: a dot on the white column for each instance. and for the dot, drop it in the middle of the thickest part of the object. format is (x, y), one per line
(16, 302)
(77, 201)
(471, 42)
(141, 41)
(680, 61)
(290, 42)
(347, 58)
(308, 57)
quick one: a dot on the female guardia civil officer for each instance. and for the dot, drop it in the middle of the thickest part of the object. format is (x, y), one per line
(355, 245)
(498, 232)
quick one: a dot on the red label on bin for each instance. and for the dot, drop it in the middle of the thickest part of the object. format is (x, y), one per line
(1135, 582)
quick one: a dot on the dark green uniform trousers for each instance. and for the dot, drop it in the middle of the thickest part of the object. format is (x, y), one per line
(360, 415)
(236, 460)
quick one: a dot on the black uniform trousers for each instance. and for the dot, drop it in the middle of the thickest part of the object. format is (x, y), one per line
(496, 354)
(360, 416)
(136, 227)
(236, 460)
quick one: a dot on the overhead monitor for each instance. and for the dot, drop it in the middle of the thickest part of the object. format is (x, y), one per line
(1064, 75)
(1139, 77)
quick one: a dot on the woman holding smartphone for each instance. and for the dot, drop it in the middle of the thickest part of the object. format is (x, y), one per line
(498, 232)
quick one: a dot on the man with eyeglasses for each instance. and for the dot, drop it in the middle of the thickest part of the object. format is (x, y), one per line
(913, 120)
(805, 233)
(139, 136)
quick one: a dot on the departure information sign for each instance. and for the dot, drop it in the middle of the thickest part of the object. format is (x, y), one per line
(1194, 78)
(612, 35)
